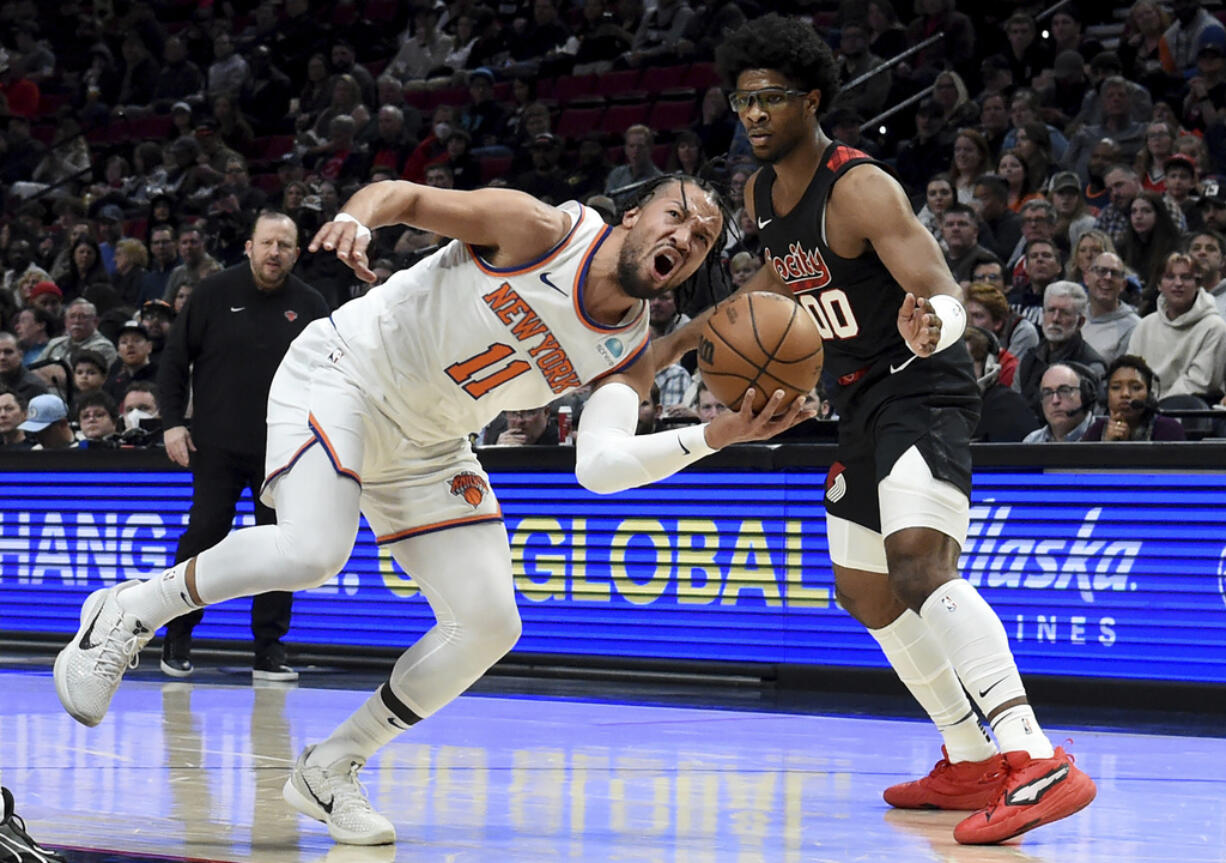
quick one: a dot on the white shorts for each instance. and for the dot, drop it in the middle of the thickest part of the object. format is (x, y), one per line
(407, 488)
(909, 496)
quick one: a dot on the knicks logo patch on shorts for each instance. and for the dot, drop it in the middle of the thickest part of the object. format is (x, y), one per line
(470, 486)
(836, 483)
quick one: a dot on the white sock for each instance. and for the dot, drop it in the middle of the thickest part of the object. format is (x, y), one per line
(975, 641)
(160, 599)
(924, 668)
(379, 721)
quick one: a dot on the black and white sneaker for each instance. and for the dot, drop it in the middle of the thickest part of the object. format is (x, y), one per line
(177, 656)
(271, 668)
(334, 796)
(16, 846)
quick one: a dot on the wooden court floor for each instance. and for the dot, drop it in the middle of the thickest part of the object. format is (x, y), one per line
(195, 771)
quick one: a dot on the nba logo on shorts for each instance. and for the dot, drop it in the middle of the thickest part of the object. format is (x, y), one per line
(470, 486)
(948, 602)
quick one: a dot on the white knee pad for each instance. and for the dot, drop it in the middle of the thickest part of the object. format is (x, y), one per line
(912, 497)
(854, 546)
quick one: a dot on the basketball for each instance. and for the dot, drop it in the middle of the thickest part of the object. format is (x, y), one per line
(761, 340)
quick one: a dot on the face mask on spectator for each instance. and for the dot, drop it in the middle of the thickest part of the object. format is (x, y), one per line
(442, 131)
(131, 420)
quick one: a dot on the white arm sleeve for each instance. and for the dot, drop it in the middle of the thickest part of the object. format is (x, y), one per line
(609, 456)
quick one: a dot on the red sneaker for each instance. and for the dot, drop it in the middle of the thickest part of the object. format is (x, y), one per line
(1037, 791)
(968, 785)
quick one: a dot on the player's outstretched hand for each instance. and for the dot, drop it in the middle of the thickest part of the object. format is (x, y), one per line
(918, 325)
(349, 242)
(744, 425)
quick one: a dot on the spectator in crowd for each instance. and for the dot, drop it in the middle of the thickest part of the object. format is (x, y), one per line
(131, 268)
(1179, 172)
(673, 381)
(1103, 155)
(1013, 168)
(157, 317)
(423, 50)
(1066, 397)
(390, 144)
(1038, 221)
(1005, 418)
(1140, 43)
(657, 36)
(483, 118)
(887, 36)
(686, 155)
(465, 169)
(12, 416)
(1179, 44)
(138, 78)
(927, 153)
(1061, 89)
(47, 422)
(854, 60)
(1109, 322)
(706, 405)
(97, 416)
(1117, 125)
(742, 268)
(1024, 112)
(433, 148)
(1150, 237)
(1184, 339)
(89, 371)
(970, 162)
(138, 406)
(86, 277)
(1213, 203)
(1207, 248)
(1124, 185)
(33, 328)
(133, 364)
(1064, 314)
(650, 411)
(1089, 246)
(938, 195)
(1073, 217)
(1132, 407)
(958, 46)
(15, 376)
(229, 71)
(229, 343)
(546, 181)
(197, 262)
(1206, 98)
(1159, 145)
(994, 119)
(991, 201)
(960, 230)
(1043, 267)
(638, 143)
(537, 427)
(265, 97)
(179, 78)
(80, 333)
(21, 266)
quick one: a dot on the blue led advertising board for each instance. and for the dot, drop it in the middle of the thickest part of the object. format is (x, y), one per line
(1100, 574)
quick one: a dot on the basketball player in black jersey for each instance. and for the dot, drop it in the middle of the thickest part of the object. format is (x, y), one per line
(839, 235)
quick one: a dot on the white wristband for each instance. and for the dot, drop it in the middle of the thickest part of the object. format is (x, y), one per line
(363, 231)
(953, 319)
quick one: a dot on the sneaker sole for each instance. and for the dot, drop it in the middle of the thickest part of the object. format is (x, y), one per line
(60, 673)
(280, 676)
(311, 809)
(171, 671)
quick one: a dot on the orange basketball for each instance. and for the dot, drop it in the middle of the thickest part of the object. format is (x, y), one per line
(761, 340)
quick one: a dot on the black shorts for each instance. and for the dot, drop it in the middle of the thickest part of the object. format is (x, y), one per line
(935, 409)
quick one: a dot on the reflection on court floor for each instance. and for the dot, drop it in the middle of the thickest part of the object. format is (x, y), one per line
(196, 772)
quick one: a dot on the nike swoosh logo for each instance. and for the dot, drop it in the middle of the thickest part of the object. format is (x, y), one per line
(762, 223)
(1032, 791)
(545, 279)
(237, 308)
(683, 449)
(326, 807)
(85, 642)
(896, 369)
(984, 692)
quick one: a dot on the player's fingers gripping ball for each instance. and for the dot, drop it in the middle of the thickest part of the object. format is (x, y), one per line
(761, 340)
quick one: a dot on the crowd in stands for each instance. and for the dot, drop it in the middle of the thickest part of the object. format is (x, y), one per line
(1069, 163)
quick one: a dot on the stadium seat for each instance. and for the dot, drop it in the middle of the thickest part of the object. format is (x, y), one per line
(494, 166)
(700, 76)
(381, 12)
(659, 78)
(613, 84)
(570, 87)
(153, 127)
(619, 118)
(669, 115)
(577, 122)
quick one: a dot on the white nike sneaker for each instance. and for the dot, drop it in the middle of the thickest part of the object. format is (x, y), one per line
(334, 796)
(108, 643)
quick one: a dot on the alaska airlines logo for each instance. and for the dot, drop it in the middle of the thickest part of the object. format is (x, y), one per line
(469, 486)
(615, 346)
(801, 268)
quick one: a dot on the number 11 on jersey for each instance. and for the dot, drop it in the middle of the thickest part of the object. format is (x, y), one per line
(464, 372)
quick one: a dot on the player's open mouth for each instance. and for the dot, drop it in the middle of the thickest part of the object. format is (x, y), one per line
(663, 265)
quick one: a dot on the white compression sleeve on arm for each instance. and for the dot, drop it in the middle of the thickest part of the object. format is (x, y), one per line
(609, 456)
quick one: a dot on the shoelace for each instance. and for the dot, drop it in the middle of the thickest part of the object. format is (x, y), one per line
(351, 794)
(18, 825)
(117, 656)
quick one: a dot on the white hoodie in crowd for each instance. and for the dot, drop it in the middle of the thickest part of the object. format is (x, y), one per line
(1188, 354)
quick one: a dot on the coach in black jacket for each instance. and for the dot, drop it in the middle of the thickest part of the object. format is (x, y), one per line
(229, 340)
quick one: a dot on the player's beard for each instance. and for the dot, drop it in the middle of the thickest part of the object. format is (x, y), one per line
(630, 271)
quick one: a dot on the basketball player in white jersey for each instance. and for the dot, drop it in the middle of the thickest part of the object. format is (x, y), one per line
(370, 410)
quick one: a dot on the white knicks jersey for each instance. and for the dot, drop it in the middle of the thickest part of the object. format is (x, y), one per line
(446, 345)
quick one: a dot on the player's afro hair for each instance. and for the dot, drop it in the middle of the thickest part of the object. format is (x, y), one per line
(784, 45)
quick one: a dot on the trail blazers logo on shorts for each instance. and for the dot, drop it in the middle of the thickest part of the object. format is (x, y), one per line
(470, 486)
(836, 483)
